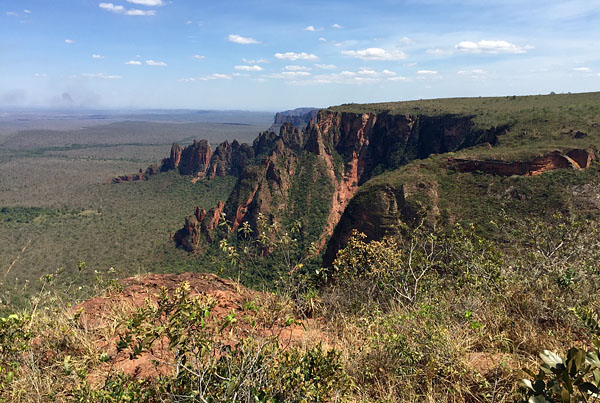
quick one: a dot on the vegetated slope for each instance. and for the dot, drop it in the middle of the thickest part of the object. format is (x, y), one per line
(350, 144)
(557, 133)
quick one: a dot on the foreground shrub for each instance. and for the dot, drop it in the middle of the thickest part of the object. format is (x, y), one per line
(574, 378)
(208, 368)
(402, 269)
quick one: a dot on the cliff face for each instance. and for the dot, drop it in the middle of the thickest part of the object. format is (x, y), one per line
(387, 207)
(573, 159)
(314, 173)
(198, 159)
(370, 144)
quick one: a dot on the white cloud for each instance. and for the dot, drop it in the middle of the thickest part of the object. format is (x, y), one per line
(476, 74)
(155, 63)
(311, 28)
(474, 71)
(242, 40)
(326, 66)
(97, 56)
(375, 54)
(140, 12)
(296, 56)
(290, 75)
(149, 3)
(69, 41)
(427, 72)
(189, 22)
(583, 69)
(11, 13)
(336, 26)
(438, 52)
(323, 39)
(493, 47)
(255, 61)
(27, 11)
(40, 75)
(111, 7)
(297, 68)
(134, 62)
(101, 76)
(363, 76)
(199, 57)
(216, 76)
(248, 68)
(122, 10)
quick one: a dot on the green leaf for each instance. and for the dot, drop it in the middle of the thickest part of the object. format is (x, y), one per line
(551, 358)
(592, 359)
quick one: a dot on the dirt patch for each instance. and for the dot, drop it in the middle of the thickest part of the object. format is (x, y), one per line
(251, 309)
(484, 363)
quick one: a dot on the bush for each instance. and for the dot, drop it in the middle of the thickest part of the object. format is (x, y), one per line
(208, 368)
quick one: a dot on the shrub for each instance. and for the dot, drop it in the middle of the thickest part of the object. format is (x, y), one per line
(211, 369)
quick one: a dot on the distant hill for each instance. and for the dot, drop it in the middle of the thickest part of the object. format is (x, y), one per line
(299, 117)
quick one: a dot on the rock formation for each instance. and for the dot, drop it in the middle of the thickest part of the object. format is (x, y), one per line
(316, 171)
(574, 159)
(140, 176)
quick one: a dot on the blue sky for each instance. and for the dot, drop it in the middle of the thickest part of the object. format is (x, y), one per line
(274, 55)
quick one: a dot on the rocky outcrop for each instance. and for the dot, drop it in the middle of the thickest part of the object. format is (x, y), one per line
(229, 297)
(574, 159)
(230, 159)
(299, 117)
(201, 223)
(195, 159)
(334, 155)
(140, 176)
(175, 159)
(370, 144)
(385, 209)
(199, 160)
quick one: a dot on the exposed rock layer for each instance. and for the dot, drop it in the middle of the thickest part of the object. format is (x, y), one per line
(574, 159)
(386, 209)
(344, 150)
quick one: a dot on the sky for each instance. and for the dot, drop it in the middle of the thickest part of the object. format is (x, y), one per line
(274, 55)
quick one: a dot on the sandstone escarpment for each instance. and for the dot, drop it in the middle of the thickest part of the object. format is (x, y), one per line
(371, 143)
(385, 210)
(321, 167)
(201, 223)
(388, 207)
